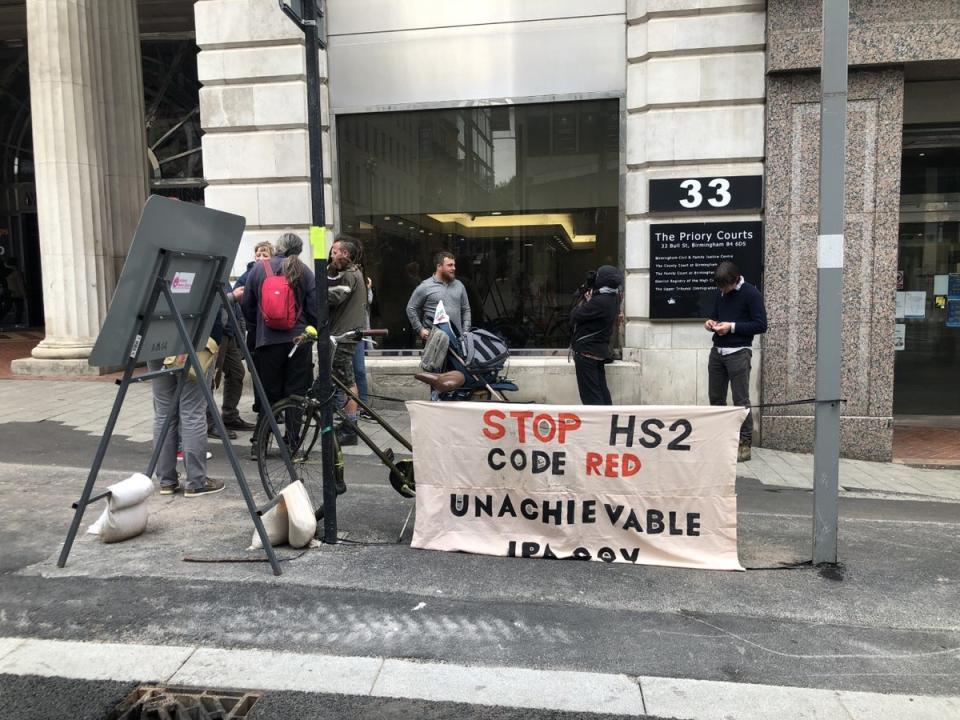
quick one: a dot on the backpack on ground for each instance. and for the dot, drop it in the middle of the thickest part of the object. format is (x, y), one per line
(278, 303)
(483, 351)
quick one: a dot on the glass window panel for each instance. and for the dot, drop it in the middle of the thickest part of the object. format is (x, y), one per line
(925, 369)
(526, 197)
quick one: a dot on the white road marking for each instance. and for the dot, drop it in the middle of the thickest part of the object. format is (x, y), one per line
(563, 690)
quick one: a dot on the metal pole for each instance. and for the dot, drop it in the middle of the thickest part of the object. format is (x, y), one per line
(314, 133)
(833, 115)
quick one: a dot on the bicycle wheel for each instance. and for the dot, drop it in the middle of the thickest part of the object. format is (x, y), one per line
(301, 426)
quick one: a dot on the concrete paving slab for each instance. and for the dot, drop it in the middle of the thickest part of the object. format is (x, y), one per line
(211, 667)
(512, 687)
(706, 700)
(869, 706)
(94, 661)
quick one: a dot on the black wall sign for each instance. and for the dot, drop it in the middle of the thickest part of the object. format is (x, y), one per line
(705, 194)
(682, 260)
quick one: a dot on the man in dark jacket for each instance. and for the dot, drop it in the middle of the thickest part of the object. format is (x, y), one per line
(738, 314)
(592, 322)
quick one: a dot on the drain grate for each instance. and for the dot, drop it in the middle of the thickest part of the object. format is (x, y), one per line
(156, 702)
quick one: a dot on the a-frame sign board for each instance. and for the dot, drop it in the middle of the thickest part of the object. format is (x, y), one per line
(170, 290)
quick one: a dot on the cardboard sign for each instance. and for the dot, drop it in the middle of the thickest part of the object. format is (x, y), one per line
(650, 485)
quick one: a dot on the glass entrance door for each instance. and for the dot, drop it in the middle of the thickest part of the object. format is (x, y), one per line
(927, 364)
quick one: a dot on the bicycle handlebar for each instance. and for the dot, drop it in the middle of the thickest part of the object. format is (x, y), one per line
(310, 334)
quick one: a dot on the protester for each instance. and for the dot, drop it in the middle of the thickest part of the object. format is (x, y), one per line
(263, 250)
(592, 323)
(360, 354)
(12, 291)
(279, 315)
(738, 314)
(443, 287)
(347, 295)
(187, 428)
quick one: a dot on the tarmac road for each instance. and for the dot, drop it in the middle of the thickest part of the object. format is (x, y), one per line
(885, 621)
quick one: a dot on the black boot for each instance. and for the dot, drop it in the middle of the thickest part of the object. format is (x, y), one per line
(346, 435)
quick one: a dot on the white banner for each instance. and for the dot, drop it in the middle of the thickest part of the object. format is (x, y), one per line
(652, 485)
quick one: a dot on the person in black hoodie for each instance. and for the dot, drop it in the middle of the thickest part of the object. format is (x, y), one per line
(737, 316)
(592, 322)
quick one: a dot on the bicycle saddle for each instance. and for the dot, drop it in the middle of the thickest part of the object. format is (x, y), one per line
(442, 382)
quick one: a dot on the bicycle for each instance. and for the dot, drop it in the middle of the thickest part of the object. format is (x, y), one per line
(301, 421)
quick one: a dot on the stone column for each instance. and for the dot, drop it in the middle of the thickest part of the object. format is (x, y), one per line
(253, 110)
(86, 96)
(121, 71)
(695, 92)
(872, 200)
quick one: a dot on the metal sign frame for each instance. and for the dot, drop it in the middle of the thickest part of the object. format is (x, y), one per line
(157, 274)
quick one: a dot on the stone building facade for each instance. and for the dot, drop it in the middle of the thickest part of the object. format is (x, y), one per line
(626, 92)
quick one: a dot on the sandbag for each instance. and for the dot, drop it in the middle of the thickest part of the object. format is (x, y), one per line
(97, 524)
(127, 493)
(276, 523)
(125, 523)
(302, 524)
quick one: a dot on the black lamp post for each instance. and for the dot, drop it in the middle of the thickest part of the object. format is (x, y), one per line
(308, 16)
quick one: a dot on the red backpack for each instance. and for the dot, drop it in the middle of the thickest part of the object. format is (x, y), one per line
(278, 304)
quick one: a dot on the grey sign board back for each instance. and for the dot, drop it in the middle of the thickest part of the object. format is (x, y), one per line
(167, 225)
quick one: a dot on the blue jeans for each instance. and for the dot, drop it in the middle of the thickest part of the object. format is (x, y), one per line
(360, 369)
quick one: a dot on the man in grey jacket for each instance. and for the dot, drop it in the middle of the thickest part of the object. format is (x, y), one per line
(441, 286)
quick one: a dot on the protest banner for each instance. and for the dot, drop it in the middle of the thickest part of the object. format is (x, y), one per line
(651, 485)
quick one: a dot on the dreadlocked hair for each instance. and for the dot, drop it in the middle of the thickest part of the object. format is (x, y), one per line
(290, 246)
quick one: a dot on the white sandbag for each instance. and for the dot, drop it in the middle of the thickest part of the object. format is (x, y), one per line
(125, 523)
(97, 525)
(303, 523)
(275, 522)
(127, 493)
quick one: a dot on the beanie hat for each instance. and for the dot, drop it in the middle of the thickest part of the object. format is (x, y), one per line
(609, 276)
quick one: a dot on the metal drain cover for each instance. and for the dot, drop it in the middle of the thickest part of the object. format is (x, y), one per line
(156, 702)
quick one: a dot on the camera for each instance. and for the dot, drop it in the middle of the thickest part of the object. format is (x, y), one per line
(589, 283)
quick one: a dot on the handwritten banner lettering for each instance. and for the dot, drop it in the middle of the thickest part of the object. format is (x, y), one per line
(648, 485)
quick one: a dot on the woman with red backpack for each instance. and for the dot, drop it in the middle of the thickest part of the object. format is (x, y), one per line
(280, 301)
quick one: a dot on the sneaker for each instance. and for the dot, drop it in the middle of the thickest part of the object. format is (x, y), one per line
(209, 487)
(346, 436)
(239, 424)
(743, 453)
(170, 489)
(213, 433)
(365, 416)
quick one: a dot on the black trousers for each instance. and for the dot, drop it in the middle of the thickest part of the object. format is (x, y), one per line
(233, 373)
(592, 381)
(282, 375)
(731, 371)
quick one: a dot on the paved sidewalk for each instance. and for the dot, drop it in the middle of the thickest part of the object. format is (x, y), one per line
(85, 406)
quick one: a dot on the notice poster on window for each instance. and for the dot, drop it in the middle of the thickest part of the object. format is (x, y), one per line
(953, 285)
(899, 336)
(915, 304)
(953, 313)
(683, 257)
(901, 304)
(940, 284)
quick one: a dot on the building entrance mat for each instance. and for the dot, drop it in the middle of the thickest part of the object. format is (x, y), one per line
(157, 702)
